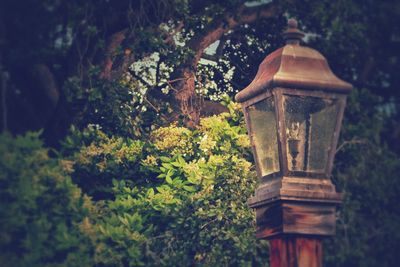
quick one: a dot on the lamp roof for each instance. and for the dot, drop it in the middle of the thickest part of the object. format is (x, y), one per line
(294, 66)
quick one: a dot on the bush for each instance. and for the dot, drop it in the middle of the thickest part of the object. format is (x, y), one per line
(41, 210)
(177, 199)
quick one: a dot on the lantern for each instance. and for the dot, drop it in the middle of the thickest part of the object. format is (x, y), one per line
(293, 110)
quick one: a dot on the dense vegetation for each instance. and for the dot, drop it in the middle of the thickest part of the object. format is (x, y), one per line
(178, 199)
(132, 168)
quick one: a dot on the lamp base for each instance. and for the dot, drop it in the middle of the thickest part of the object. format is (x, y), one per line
(291, 205)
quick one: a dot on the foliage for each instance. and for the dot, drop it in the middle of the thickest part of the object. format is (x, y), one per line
(93, 105)
(102, 160)
(41, 210)
(177, 199)
(366, 171)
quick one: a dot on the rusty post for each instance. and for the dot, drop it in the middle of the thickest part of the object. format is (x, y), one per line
(295, 251)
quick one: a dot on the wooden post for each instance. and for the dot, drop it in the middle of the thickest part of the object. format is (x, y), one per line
(295, 251)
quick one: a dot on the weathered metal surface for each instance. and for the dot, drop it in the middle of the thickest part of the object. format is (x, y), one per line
(295, 205)
(294, 66)
(288, 217)
(296, 189)
(295, 251)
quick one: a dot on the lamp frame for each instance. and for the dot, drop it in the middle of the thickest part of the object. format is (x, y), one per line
(290, 201)
(277, 94)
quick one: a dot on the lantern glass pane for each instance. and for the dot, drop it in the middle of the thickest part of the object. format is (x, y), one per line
(310, 125)
(263, 134)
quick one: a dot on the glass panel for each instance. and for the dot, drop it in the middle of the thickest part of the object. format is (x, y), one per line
(264, 135)
(310, 125)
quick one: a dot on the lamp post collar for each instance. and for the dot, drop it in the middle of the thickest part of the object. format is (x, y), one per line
(293, 35)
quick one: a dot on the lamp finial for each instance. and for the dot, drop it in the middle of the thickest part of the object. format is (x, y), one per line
(293, 35)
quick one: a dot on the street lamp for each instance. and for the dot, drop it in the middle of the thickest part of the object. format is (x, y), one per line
(293, 110)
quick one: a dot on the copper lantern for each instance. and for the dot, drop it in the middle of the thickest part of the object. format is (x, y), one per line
(293, 110)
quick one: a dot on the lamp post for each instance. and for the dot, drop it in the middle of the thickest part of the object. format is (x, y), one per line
(293, 110)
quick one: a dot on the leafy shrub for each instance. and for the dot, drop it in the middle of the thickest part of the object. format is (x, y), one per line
(41, 210)
(177, 199)
(99, 163)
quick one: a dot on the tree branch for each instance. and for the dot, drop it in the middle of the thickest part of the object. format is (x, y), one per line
(46, 81)
(217, 29)
(4, 79)
(140, 79)
(114, 42)
(354, 141)
(186, 94)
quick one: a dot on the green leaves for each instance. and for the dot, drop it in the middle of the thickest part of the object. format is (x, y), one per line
(173, 194)
(40, 207)
(157, 207)
(193, 201)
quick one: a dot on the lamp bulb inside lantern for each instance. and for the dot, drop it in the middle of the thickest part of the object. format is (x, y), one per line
(293, 130)
(293, 142)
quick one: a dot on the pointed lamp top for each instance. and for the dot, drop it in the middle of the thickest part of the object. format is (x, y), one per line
(293, 35)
